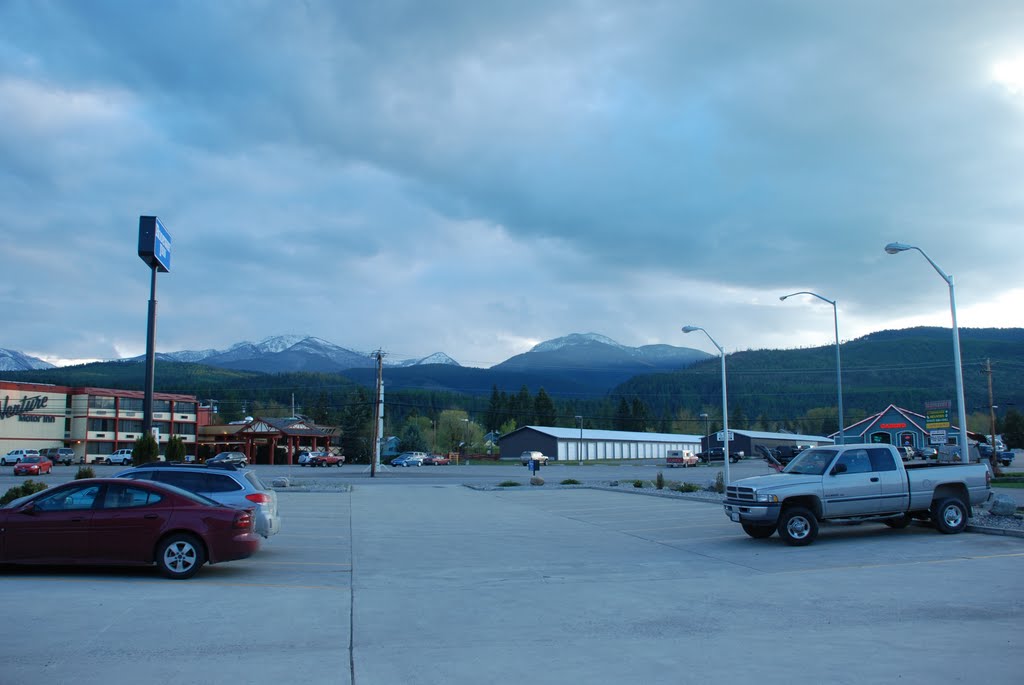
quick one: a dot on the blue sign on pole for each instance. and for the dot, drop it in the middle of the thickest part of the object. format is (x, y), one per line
(154, 243)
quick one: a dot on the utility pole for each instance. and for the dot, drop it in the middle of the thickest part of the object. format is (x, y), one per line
(378, 423)
(993, 458)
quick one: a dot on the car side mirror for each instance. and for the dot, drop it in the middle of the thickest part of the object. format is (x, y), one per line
(837, 469)
(29, 508)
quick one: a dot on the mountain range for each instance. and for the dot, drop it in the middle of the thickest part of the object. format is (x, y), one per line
(591, 352)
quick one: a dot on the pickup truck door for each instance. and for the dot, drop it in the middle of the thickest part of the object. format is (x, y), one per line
(895, 494)
(854, 492)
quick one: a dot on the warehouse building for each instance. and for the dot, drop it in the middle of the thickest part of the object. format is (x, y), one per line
(747, 441)
(571, 444)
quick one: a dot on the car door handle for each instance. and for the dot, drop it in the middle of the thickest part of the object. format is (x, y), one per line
(150, 516)
(874, 479)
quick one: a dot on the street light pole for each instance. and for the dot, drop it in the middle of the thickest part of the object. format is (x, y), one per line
(965, 452)
(839, 367)
(725, 407)
(579, 448)
(707, 431)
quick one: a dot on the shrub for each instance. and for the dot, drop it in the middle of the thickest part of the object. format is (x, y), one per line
(688, 487)
(719, 483)
(175, 449)
(570, 481)
(508, 483)
(29, 487)
(659, 481)
(84, 472)
(638, 484)
(145, 449)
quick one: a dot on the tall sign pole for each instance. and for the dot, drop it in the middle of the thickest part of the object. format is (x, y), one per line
(155, 250)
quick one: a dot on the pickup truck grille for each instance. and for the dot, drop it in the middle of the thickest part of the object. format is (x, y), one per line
(739, 493)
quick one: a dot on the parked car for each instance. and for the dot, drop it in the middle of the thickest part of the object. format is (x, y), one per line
(906, 453)
(33, 465)
(717, 454)
(122, 457)
(683, 458)
(15, 456)
(528, 456)
(59, 455)
(326, 459)
(436, 460)
(409, 459)
(222, 482)
(925, 453)
(138, 523)
(305, 456)
(233, 458)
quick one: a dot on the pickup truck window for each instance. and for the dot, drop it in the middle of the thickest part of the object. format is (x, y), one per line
(881, 459)
(811, 462)
(856, 461)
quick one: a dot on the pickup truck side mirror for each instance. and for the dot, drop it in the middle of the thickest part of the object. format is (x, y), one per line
(837, 469)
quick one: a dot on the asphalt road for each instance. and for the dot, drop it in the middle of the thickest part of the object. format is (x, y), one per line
(405, 580)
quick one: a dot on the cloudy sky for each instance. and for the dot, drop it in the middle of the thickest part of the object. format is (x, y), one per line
(477, 177)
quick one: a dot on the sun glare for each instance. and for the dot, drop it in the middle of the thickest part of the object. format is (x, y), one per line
(1009, 73)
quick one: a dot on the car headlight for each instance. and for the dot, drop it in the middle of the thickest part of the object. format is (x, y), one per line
(765, 497)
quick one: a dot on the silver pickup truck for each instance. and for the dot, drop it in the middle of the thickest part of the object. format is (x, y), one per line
(853, 483)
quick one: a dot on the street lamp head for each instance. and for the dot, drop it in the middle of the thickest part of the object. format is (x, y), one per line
(690, 329)
(783, 298)
(893, 248)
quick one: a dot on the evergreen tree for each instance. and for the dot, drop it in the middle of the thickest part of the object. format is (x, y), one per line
(623, 418)
(1013, 429)
(496, 408)
(524, 407)
(412, 439)
(638, 414)
(543, 409)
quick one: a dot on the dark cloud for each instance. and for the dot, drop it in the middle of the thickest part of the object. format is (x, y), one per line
(532, 168)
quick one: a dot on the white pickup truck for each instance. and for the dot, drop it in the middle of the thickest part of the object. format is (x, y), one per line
(854, 483)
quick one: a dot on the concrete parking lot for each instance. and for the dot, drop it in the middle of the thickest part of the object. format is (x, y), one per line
(406, 582)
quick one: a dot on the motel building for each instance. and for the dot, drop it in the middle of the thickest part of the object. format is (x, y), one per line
(94, 422)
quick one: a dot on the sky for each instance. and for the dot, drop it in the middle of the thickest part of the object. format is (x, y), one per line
(477, 177)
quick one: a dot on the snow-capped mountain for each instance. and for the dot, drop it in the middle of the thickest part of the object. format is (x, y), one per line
(12, 360)
(283, 353)
(593, 351)
(436, 358)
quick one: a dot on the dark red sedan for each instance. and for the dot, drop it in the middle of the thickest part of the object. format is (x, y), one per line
(33, 466)
(117, 521)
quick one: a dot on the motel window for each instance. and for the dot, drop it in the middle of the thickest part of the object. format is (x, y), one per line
(96, 402)
(131, 404)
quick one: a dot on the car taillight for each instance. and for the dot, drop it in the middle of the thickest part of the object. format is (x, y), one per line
(258, 498)
(243, 519)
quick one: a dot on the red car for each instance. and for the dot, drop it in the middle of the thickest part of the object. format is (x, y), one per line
(118, 521)
(437, 460)
(33, 466)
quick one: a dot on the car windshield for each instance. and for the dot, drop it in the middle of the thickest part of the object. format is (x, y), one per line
(811, 462)
(32, 460)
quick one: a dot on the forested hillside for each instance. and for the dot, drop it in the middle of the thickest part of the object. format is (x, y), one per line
(768, 389)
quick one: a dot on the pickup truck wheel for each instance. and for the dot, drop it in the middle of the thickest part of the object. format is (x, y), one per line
(950, 515)
(899, 522)
(758, 532)
(798, 527)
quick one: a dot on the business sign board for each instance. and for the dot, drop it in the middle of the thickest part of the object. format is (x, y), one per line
(154, 243)
(937, 437)
(721, 436)
(936, 414)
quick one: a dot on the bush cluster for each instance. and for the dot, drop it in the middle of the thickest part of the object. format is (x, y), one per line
(29, 487)
(688, 487)
(570, 481)
(659, 481)
(84, 472)
(508, 483)
(638, 484)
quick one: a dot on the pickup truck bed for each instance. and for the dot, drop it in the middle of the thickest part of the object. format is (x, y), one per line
(844, 483)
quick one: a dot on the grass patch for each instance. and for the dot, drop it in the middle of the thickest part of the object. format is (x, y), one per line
(1012, 484)
(570, 481)
(508, 484)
